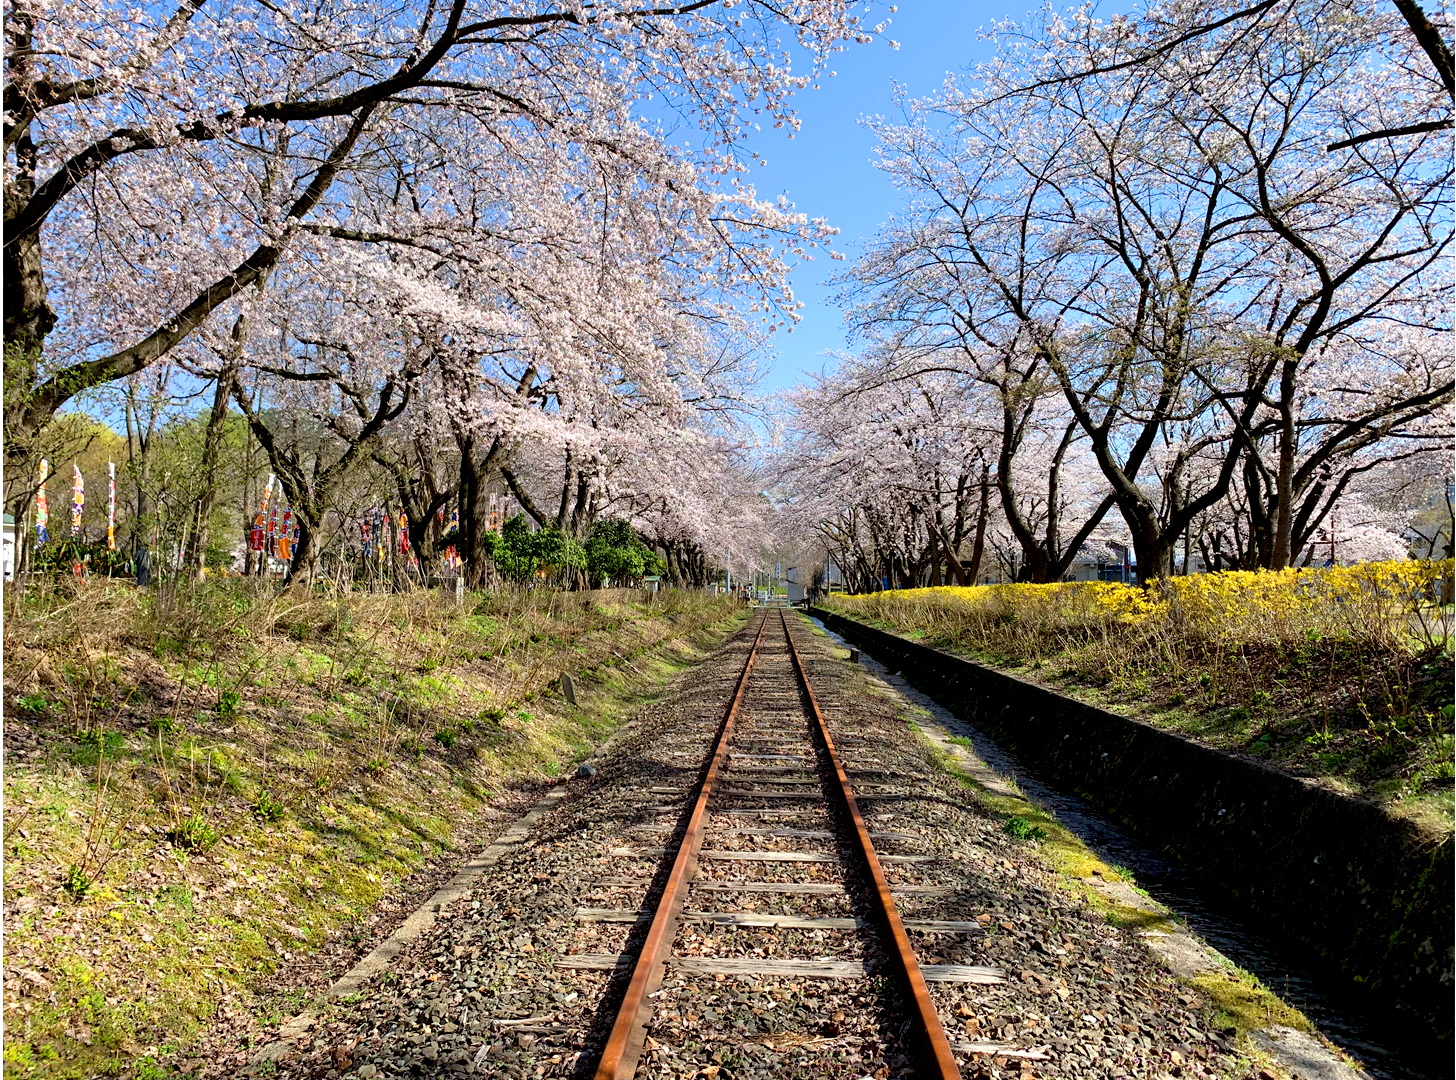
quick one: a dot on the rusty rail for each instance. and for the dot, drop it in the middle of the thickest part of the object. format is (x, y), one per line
(933, 1049)
(629, 1030)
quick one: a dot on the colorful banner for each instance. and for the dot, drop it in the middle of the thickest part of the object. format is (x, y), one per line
(452, 557)
(285, 539)
(255, 538)
(271, 537)
(111, 506)
(78, 500)
(42, 510)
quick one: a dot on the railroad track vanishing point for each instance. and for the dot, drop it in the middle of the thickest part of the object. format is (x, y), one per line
(769, 876)
(774, 771)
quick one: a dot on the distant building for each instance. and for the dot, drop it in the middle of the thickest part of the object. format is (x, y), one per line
(1104, 559)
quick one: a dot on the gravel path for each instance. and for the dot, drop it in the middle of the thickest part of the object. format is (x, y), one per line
(516, 979)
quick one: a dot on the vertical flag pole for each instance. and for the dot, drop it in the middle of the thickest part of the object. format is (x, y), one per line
(78, 501)
(111, 506)
(42, 510)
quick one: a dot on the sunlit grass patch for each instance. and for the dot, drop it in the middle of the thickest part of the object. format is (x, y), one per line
(215, 842)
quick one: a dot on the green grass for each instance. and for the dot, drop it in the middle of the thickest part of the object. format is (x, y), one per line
(291, 810)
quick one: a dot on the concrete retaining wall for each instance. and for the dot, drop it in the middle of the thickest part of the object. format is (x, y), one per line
(1369, 893)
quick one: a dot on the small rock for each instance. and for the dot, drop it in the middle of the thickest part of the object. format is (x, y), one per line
(585, 772)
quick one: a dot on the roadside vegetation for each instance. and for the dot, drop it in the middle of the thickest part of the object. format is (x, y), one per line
(1343, 675)
(206, 780)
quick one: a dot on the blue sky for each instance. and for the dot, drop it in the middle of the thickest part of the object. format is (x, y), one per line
(827, 170)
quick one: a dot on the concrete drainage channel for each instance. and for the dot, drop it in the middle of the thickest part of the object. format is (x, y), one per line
(1187, 953)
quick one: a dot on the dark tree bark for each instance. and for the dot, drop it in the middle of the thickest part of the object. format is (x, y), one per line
(211, 449)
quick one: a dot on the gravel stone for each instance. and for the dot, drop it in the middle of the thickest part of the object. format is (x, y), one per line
(481, 994)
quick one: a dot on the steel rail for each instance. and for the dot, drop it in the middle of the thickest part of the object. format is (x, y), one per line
(629, 1030)
(933, 1049)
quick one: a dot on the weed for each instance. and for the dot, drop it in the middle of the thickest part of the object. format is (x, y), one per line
(178, 896)
(1018, 828)
(92, 747)
(445, 737)
(76, 883)
(193, 834)
(227, 703)
(375, 766)
(35, 704)
(267, 808)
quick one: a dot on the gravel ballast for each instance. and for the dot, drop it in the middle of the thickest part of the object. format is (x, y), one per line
(492, 989)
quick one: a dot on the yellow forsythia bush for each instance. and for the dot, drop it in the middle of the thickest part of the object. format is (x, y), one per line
(1387, 604)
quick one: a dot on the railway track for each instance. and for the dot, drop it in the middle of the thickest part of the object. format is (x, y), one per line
(705, 907)
(774, 774)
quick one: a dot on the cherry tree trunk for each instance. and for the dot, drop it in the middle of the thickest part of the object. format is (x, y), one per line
(207, 498)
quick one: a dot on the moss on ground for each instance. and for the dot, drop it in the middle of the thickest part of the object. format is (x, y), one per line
(216, 783)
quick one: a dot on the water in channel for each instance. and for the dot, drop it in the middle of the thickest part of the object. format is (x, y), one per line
(1282, 967)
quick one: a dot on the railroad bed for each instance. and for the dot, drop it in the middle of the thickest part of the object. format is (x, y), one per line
(770, 877)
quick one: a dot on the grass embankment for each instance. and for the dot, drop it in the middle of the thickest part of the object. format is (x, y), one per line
(202, 783)
(1342, 675)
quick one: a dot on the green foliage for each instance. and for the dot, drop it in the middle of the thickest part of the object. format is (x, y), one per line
(521, 554)
(615, 550)
(228, 702)
(193, 834)
(445, 737)
(35, 704)
(94, 745)
(178, 896)
(60, 556)
(267, 807)
(76, 883)
(1019, 828)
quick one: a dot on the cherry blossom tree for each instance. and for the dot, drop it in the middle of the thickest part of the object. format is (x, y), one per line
(160, 163)
(1186, 256)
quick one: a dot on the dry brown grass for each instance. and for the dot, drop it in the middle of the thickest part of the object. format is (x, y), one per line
(1341, 675)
